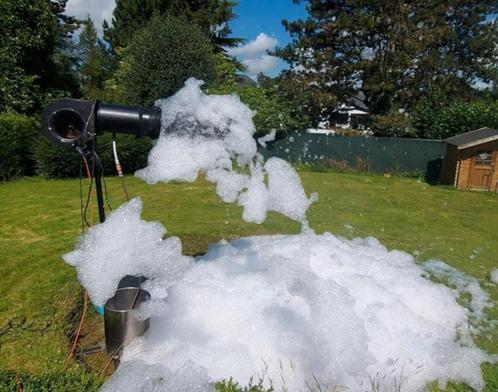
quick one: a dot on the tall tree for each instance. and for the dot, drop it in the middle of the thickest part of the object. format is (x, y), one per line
(35, 53)
(212, 16)
(395, 51)
(94, 61)
(159, 59)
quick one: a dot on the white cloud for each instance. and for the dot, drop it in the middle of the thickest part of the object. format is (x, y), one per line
(264, 64)
(97, 9)
(254, 54)
(256, 47)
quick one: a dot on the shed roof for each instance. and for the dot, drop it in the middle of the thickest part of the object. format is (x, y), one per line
(473, 138)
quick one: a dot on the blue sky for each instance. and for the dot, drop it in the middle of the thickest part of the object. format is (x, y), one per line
(258, 21)
(257, 17)
(263, 16)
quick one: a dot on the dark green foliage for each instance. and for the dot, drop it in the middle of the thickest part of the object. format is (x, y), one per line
(51, 382)
(232, 386)
(226, 70)
(438, 116)
(314, 103)
(392, 124)
(161, 58)
(273, 110)
(56, 161)
(132, 153)
(94, 62)
(17, 132)
(436, 119)
(212, 16)
(395, 51)
(35, 55)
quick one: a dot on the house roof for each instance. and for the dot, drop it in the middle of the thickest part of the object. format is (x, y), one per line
(244, 80)
(354, 105)
(358, 102)
(473, 138)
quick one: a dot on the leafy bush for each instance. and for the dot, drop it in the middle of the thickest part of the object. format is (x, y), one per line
(438, 116)
(52, 382)
(393, 124)
(161, 58)
(271, 112)
(273, 109)
(55, 161)
(232, 386)
(132, 153)
(34, 56)
(16, 135)
(436, 119)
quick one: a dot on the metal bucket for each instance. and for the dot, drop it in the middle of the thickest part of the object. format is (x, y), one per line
(131, 281)
(121, 324)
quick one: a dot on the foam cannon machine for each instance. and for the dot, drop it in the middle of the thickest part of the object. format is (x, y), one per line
(76, 124)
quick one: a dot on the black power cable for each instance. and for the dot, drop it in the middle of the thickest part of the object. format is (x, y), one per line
(81, 198)
(90, 187)
(84, 208)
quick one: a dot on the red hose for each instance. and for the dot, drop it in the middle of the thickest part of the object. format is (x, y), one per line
(78, 330)
(85, 298)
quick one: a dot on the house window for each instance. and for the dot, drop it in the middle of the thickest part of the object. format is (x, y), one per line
(484, 158)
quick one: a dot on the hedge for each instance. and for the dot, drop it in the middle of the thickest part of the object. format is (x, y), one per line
(24, 151)
(161, 57)
(17, 133)
(435, 118)
(55, 161)
(50, 382)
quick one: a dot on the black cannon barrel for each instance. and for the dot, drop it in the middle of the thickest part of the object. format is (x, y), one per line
(133, 120)
(74, 121)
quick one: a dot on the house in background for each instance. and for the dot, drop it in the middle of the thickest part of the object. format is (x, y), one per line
(353, 114)
(350, 118)
(471, 160)
(243, 80)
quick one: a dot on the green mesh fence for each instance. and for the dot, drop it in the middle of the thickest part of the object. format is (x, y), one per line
(374, 154)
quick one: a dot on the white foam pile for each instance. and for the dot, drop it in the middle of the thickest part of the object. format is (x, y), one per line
(494, 275)
(207, 133)
(293, 307)
(460, 282)
(303, 312)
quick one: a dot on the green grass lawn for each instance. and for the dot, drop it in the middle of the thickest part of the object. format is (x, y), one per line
(40, 220)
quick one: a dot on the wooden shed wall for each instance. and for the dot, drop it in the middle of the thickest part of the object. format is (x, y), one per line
(450, 165)
(465, 162)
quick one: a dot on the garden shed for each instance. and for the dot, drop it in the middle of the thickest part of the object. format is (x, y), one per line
(471, 160)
